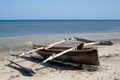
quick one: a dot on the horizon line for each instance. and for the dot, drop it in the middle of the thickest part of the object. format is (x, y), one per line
(56, 19)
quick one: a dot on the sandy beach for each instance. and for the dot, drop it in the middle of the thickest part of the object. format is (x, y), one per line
(109, 57)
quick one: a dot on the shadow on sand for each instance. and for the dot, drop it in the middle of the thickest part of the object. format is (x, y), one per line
(53, 64)
(21, 70)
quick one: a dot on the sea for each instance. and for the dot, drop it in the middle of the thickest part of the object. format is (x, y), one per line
(10, 28)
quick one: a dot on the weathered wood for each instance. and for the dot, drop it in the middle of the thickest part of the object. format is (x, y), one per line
(85, 56)
(83, 40)
(58, 54)
(91, 43)
(51, 45)
(102, 42)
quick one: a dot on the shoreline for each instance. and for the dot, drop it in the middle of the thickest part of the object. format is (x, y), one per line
(82, 33)
(19, 42)
(51, 38)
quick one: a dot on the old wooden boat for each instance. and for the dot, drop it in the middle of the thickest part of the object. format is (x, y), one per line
(87, 56)
(79, 55)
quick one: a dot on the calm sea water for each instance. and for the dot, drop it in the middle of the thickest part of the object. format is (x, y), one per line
(39, 27)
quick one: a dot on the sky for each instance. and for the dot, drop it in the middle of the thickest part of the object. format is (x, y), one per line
(59, 9)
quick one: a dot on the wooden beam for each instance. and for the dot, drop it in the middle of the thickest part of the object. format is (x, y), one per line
(46, 47)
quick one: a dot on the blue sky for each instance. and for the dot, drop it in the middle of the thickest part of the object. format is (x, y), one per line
(59, 9)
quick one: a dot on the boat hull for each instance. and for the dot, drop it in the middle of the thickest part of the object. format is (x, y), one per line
(86, 56)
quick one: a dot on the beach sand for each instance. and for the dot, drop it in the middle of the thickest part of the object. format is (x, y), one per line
(109, 57)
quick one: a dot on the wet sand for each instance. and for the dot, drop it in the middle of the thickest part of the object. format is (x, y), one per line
(109, 57)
